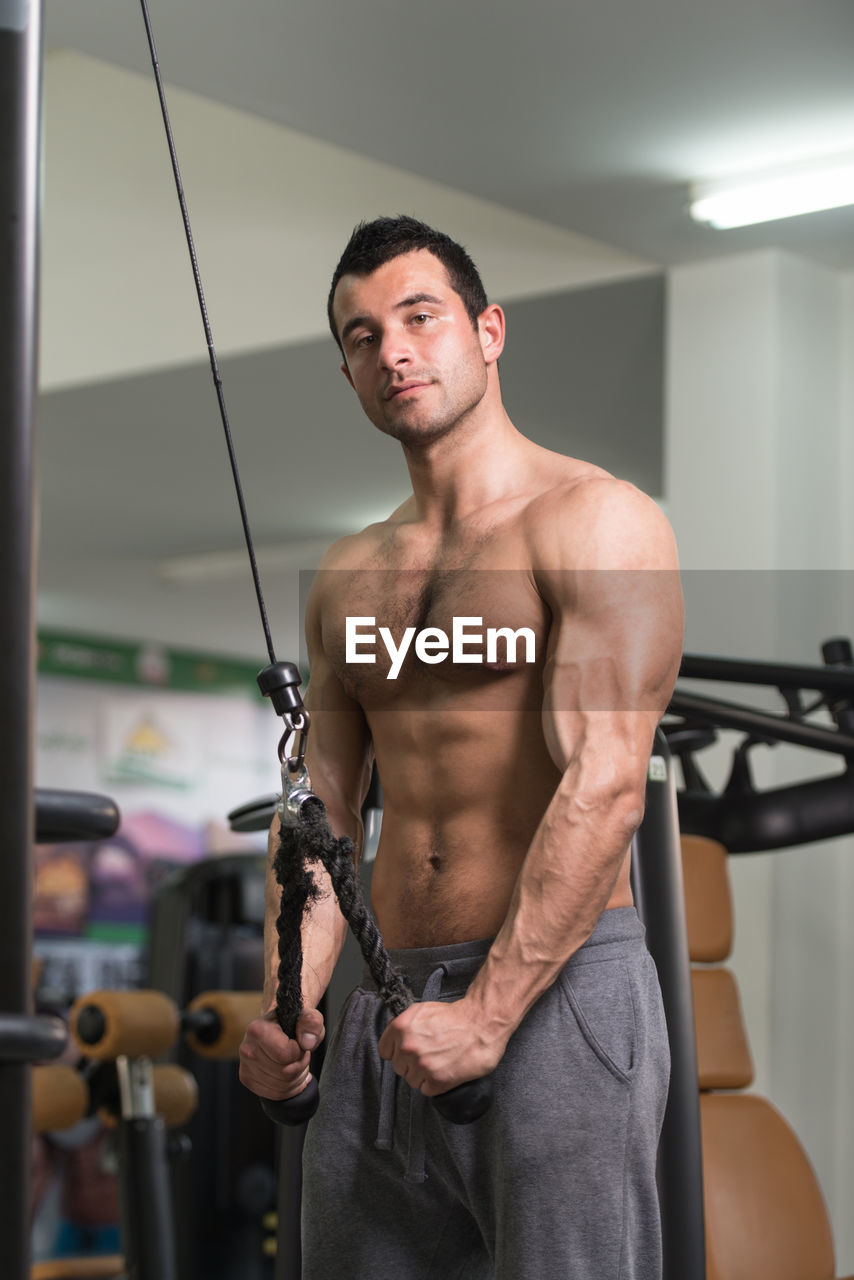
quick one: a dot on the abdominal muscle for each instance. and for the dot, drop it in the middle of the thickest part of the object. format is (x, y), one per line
(463, 797)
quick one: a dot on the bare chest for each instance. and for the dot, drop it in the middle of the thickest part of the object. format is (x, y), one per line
(397, 631)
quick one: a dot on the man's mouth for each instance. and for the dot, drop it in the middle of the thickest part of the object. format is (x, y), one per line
(399, 388)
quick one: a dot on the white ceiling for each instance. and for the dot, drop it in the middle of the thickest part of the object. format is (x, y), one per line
(590, 116)
(556, 140)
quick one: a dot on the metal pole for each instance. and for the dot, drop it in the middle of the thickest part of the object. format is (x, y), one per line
(834, 678)
(20, 59)
(288, 1249)
(657, 876)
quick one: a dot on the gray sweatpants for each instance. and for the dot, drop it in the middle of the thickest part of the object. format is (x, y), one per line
(555, 1182)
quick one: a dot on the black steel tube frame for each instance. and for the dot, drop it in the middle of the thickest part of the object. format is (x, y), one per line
(729, 715)
(25, 1038)
(746, 820)
(659, 895)
(781, 818)
(148, 1238)
(829, 679)
(20, 75)
(289, 1249)
(74, 815)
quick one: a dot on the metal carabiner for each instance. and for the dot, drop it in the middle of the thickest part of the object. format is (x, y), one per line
(299, 723)
(296, 792)
(296, 784)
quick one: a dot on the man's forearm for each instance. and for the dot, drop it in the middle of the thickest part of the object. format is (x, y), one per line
(564, 885)
(323, 933)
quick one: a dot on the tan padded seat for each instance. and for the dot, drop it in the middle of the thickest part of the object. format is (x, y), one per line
(107, 1267)
(765, 1216)
(723, 1054)
(708, 899)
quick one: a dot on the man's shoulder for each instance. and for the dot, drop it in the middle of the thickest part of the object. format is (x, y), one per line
(353, 553)
(591, 516)
(355, 550)
(350, 551)
(584, 489)
(561, 481)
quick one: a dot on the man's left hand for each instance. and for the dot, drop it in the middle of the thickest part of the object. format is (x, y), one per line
(436, 1046)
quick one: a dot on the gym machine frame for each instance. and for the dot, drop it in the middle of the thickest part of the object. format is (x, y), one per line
(744, 819)
(22, 1037)
(657, 873)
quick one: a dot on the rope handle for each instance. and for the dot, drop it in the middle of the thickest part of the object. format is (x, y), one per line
(306, 840)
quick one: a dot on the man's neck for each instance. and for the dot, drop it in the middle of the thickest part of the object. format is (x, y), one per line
(477, 463)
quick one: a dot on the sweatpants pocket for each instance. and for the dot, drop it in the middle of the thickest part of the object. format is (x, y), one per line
(600, 997)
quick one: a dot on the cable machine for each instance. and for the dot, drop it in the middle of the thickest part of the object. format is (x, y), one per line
(742, 817)
(22, 1038)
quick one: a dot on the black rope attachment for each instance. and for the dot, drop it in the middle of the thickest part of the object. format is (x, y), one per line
(306, 840)
(311, 841)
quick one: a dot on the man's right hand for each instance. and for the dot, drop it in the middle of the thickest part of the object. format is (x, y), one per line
(271, 1064)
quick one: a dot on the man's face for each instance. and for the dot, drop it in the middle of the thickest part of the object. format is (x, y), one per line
(411, 353)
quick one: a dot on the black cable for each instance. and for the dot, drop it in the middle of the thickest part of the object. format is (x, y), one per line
(179, 186)
(315, 841)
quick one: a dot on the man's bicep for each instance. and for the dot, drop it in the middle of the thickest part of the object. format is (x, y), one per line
(612, 660)
(340, 749)
(612, 584)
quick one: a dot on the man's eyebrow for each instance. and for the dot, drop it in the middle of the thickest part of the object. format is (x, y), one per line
(417, 297)
(351, 325)
(411, 301)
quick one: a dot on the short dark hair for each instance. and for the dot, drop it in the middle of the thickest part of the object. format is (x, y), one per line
(372, 244)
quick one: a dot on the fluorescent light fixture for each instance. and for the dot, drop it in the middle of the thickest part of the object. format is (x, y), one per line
(782, 194)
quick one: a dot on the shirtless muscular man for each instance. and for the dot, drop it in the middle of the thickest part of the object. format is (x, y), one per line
(512, 791)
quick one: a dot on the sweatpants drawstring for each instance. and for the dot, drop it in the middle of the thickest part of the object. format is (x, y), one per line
(389, 1081)
(385, 1128)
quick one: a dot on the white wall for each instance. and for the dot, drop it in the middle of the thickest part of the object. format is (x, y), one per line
(759, 485)
(271, 210)
(843, 1103)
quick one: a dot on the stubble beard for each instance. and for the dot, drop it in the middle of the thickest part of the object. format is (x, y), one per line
(414, 425)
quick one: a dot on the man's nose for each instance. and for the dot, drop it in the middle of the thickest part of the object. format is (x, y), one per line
(394, 349)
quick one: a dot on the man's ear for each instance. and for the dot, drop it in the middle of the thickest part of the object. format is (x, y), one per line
(346, 373)
(491, 327)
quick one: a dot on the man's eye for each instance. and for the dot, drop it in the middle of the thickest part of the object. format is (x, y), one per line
(365, 340)
(421, 318)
